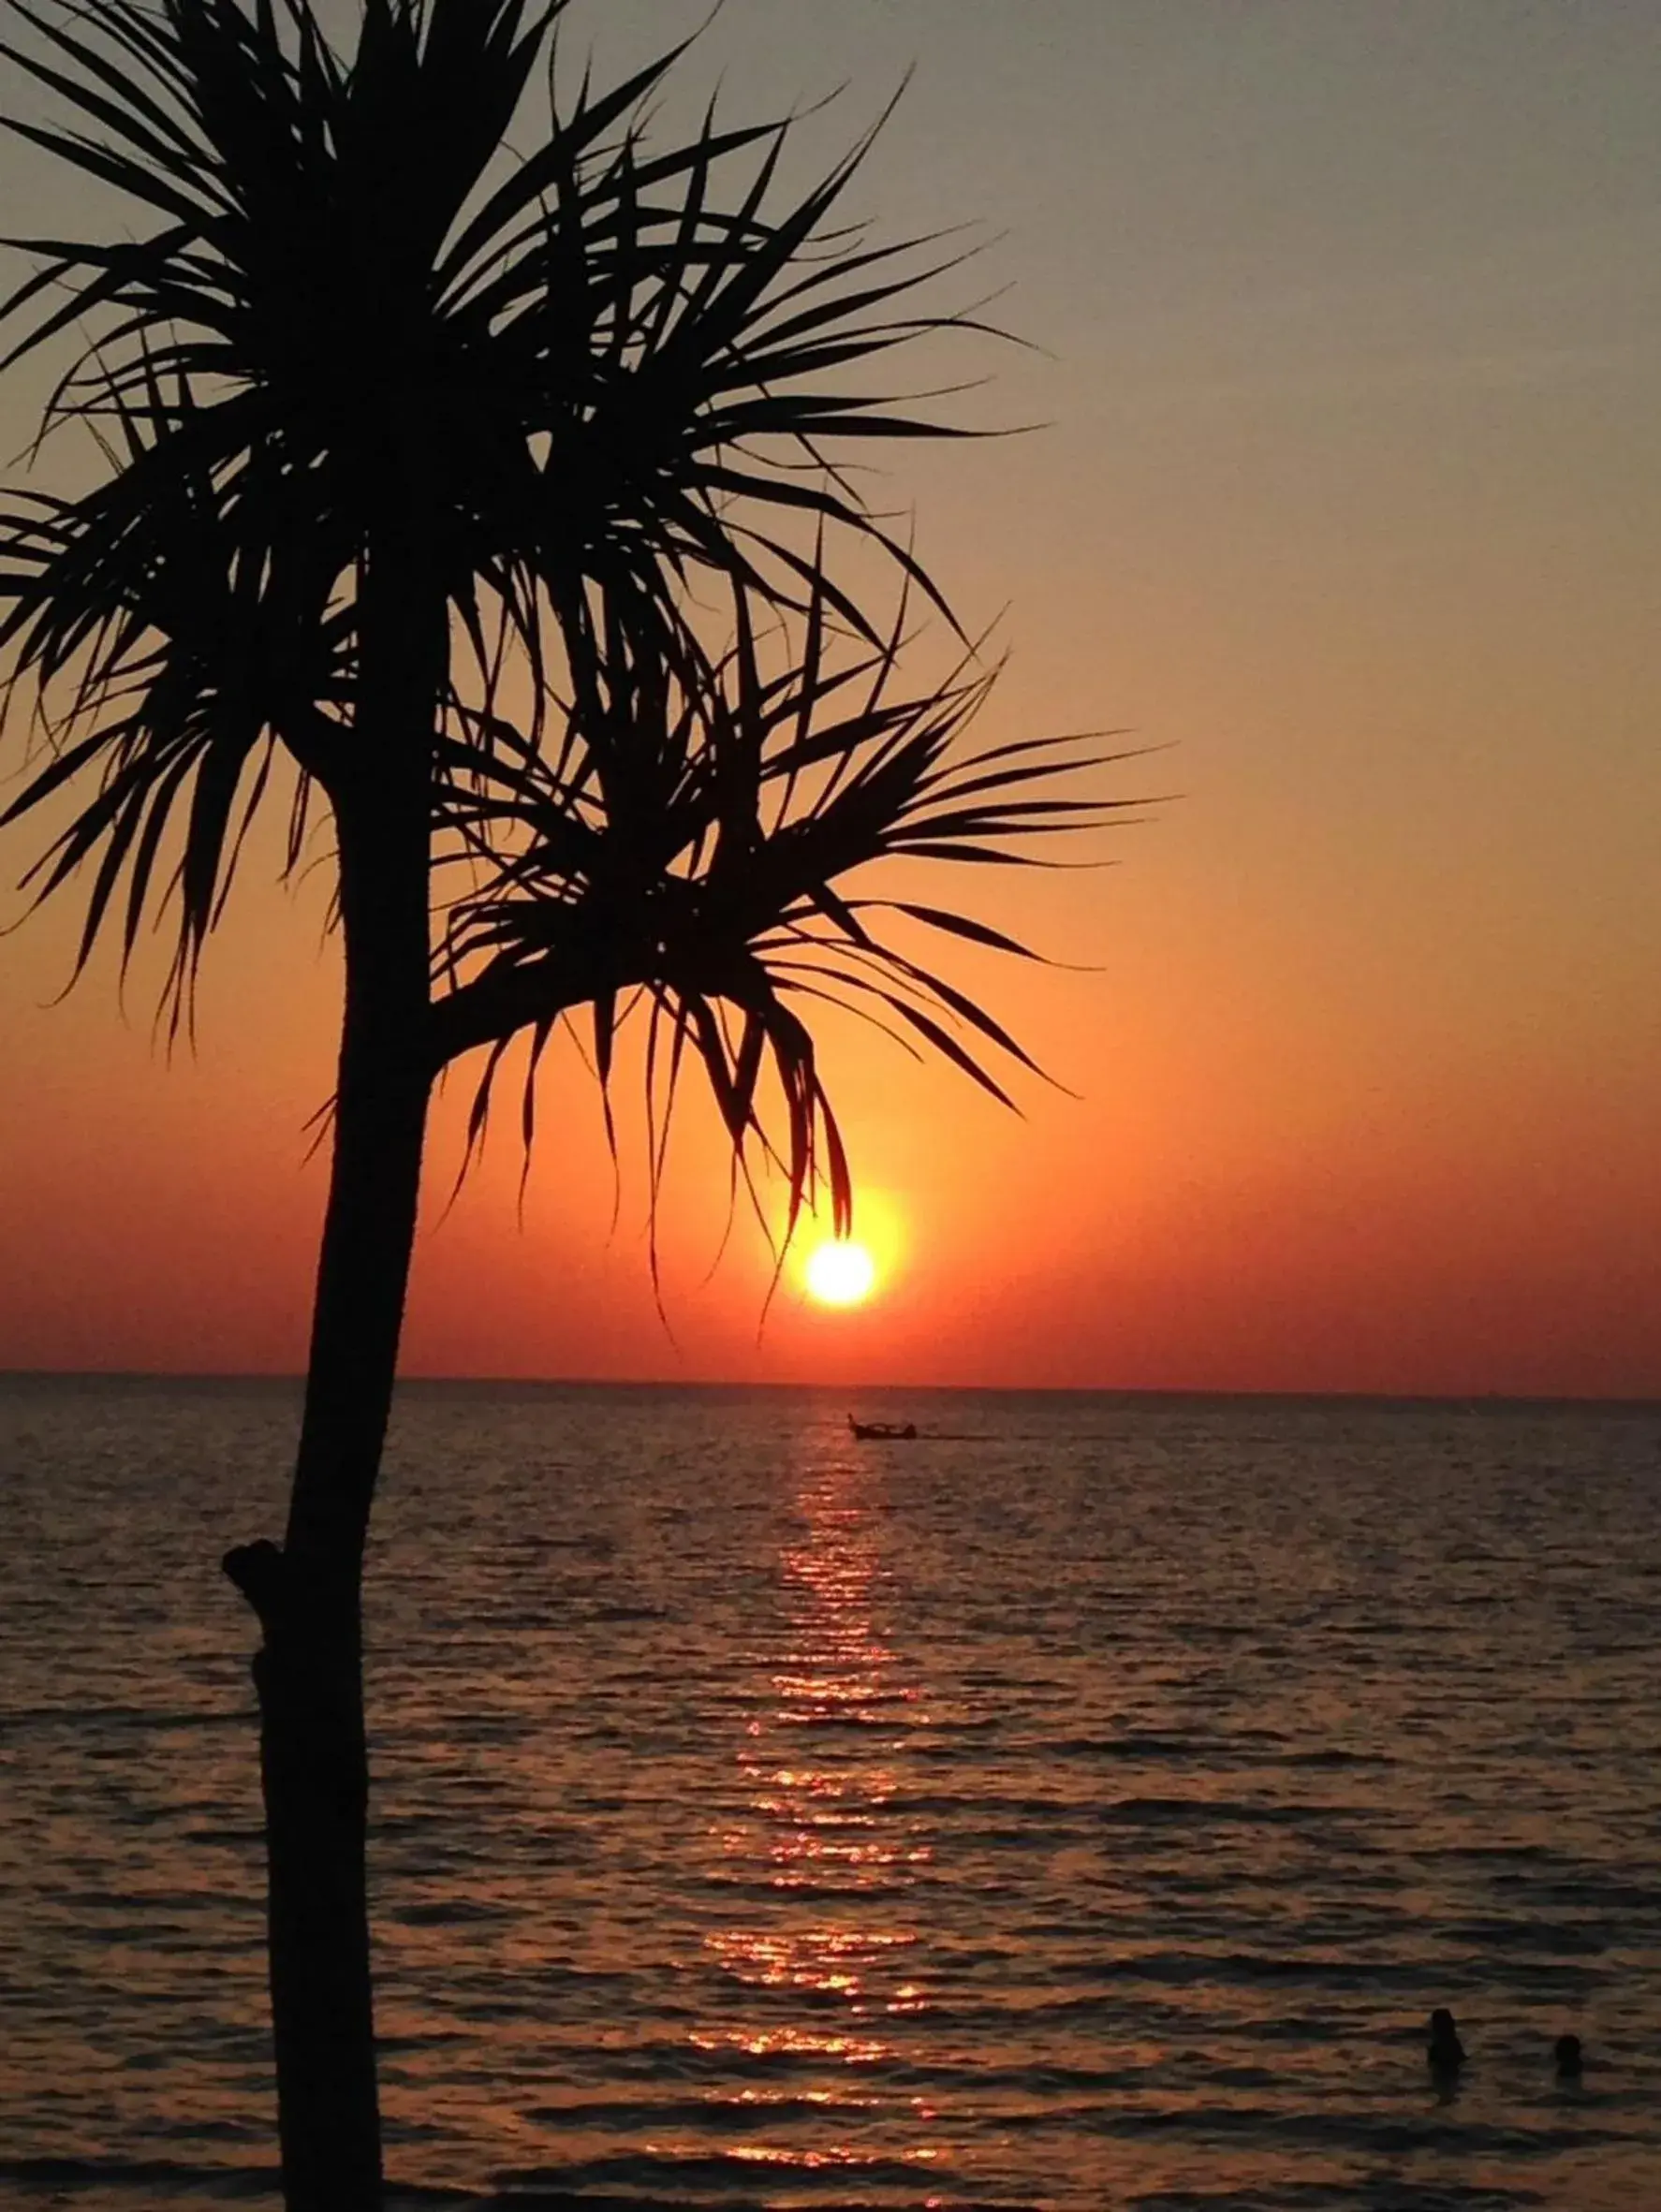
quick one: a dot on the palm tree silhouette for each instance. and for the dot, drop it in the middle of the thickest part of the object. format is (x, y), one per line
(386, 409)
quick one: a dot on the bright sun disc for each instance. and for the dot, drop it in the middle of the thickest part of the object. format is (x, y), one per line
(840, 1274)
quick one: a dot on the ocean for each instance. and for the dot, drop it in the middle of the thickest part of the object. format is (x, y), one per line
(1082, 1806)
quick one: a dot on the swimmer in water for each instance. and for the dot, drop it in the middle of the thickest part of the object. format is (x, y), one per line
(1443, 2051)
(1566, 2051)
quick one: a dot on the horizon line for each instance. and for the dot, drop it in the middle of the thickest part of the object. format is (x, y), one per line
(296, 1379)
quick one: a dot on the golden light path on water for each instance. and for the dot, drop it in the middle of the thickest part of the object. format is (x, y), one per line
(831, 1859)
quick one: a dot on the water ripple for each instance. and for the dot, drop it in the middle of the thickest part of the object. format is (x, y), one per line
(1083, 1810)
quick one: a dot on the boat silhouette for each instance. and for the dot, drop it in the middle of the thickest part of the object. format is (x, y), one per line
(892, 1433)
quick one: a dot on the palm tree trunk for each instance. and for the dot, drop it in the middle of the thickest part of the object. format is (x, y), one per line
(308, 1594)
(314, 1757)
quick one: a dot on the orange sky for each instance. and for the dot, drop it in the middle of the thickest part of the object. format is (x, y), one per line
(1351, 500)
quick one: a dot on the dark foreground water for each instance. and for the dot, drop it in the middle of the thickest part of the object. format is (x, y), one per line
(1081, 1806)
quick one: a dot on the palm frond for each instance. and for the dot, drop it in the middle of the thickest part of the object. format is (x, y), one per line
(592, 354)
(696, 855)
(169, 658)
(339, 313)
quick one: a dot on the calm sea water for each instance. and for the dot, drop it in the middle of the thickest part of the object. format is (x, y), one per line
(1081, 1806)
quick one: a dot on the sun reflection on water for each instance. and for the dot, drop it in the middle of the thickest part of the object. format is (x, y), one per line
(823, 1962)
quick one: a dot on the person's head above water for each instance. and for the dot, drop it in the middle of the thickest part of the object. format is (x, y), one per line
(1566, 2051)
(1442, 2046)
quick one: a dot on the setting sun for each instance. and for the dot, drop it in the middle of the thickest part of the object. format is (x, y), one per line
(840, 1274)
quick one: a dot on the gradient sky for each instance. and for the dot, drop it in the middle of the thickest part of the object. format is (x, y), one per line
(1349, 314)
